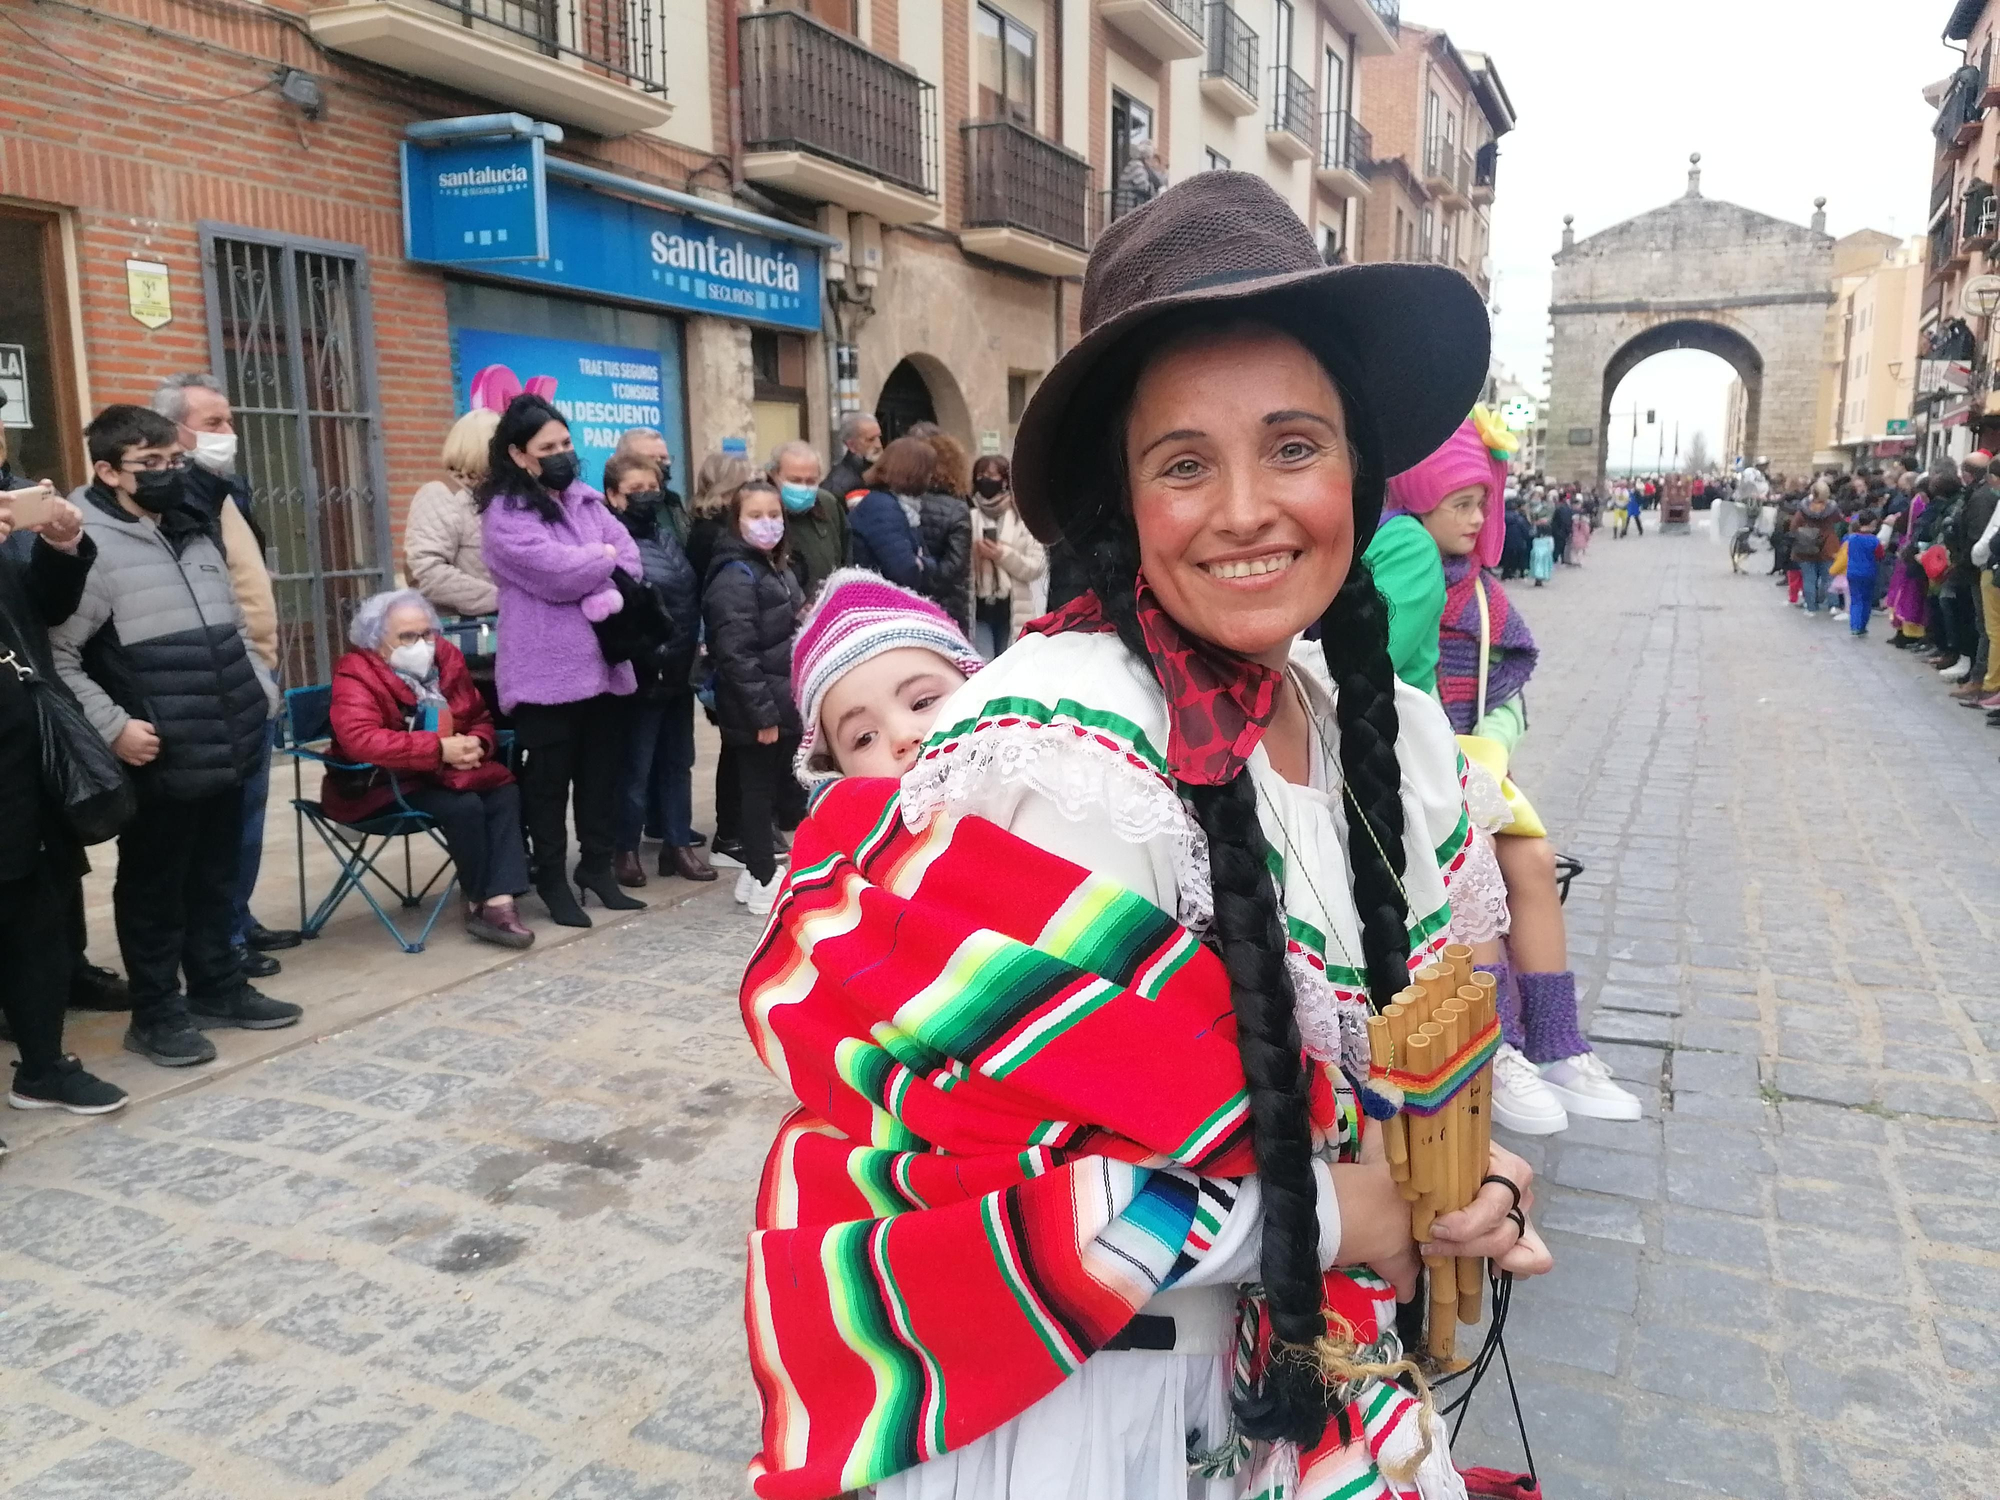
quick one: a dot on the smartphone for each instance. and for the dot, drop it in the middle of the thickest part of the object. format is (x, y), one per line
(33, 507)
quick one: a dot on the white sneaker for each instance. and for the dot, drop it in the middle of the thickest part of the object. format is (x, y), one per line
(1583, 1084)
(744, 886)
(761, 898)
(1959, 672)
(1521, 1100)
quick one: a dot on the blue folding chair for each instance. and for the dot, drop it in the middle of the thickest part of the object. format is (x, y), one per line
(307, 733)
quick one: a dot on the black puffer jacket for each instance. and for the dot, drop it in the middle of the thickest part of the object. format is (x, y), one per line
(751, 609)
(672, 577)
(945, 524)
(159, 637)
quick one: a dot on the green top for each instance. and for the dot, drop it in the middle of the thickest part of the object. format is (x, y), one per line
(1410, 575)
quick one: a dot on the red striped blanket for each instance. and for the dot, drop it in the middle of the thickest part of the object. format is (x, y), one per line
(1020, 1108)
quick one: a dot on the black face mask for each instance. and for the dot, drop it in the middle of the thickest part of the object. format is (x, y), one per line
(558, 472)
(644, 502)
(159, 489)
(988, 485)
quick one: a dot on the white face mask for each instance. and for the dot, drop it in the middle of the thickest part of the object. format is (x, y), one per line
(414, 660)
(215, 451)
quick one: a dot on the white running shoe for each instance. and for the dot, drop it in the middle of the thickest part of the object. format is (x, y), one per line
(1958, 672)
(744, 886)
(1583, 1084)
(761, 898)
(1521, 1100)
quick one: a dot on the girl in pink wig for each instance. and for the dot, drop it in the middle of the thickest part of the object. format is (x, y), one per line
(1453, 633)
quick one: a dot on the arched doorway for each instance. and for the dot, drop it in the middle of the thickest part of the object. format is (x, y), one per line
(1724, 343)
(904, 402)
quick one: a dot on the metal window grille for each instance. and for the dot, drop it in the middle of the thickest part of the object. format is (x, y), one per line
(1291, 104)
(617, 36)
(808, 87)
(289, 338)
(1232, 48)
(1015, 178)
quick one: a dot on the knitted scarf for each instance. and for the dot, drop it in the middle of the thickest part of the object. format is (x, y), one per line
(1511, 659)
(1017, 1121)
(1218, 703)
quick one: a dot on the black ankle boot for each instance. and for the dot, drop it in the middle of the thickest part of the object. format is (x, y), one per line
(561, 901)
(600, 882)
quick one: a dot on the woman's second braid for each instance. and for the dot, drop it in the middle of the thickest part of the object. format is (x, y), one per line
(1354, 638)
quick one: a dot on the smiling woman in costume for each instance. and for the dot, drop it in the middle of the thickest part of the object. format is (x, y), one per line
(1079, 1201)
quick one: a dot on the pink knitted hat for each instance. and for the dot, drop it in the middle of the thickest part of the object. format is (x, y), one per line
(1464, 459)
(858, 615)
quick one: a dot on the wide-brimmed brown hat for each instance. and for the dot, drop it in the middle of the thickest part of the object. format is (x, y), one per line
(1415, 337)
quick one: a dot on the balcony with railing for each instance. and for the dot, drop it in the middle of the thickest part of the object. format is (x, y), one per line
(1229, 75)
(1941, 190)
(1946, 251)
(1027, 200)
(1982, 218)
(1294, 122)
(1390, 11)
(595, 64)
(1959, 116)
(1485, 169)
(1440, 166)
(1168, 30)
(1346, 155)
(827, 119)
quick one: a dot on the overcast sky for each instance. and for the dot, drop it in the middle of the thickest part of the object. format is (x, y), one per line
(1787, 101)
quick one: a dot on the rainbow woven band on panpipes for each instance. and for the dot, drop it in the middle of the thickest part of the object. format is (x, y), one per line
(1426, 1094)
(1021, 1113)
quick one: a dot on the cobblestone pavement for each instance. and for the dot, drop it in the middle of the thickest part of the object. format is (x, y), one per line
(489, 1245)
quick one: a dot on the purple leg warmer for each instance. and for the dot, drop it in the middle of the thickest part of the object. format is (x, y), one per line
(1509, 1000)
(1548, 1011)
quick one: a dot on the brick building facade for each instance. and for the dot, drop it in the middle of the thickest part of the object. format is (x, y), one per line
(194, 184)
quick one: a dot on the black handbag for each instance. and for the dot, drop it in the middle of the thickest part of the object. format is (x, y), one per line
(641, 632)
(81, 778)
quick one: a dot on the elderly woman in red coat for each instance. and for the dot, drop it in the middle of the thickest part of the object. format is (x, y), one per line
(404, 702)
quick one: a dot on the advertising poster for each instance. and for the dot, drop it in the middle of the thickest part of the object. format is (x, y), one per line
(602, 389)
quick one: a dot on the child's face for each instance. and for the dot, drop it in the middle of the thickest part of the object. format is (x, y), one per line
(877, 717)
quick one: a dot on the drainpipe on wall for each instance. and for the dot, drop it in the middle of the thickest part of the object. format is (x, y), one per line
(732, 66)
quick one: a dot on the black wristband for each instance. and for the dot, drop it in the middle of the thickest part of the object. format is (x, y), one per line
(1505, 1182)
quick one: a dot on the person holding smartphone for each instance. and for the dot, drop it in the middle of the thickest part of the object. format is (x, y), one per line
(41, 584)
(1007, 561)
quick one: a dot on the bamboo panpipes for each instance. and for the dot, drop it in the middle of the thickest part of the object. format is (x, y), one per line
(1439, 1158)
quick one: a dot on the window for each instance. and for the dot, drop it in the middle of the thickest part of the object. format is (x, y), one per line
(1130, 121)
(1004, 50)
(1334, 85)
(1019, 383)
(1331, 249)
(1281, 33)
(1217, 162)
(1427, 235)
(36, 339)
(1433, 109)
(1444, 239)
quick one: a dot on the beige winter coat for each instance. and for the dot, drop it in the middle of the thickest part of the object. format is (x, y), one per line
(441, 550)
(1023, 560)
(251, 582)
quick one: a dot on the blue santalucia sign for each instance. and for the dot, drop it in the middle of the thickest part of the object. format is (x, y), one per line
(491, 206)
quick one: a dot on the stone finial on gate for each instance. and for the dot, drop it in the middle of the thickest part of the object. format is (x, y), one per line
(1819, 216)
(1694, 174)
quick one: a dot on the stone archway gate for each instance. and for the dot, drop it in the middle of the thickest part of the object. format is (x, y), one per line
(1699, 274)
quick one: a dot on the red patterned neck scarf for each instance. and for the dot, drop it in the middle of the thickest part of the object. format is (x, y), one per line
(1218, 703)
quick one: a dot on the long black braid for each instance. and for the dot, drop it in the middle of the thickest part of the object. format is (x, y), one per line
(1248, 930)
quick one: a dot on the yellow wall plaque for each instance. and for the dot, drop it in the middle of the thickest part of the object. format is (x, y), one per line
(148, 293)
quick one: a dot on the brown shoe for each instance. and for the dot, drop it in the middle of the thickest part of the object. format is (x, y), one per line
(1970, 692)
(686, 861)
(500, 925)
(629, 870)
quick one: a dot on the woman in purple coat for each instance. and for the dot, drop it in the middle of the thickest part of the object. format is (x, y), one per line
(552, 547)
